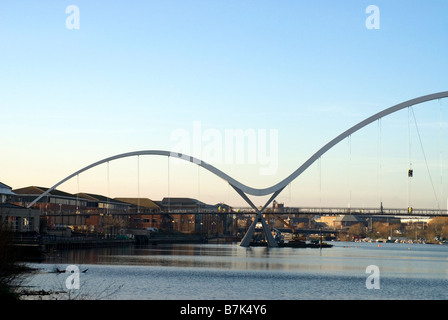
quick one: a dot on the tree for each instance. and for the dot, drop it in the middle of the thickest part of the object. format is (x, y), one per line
(113, 224)
(437, 227)
(10, 269)
(356, 230)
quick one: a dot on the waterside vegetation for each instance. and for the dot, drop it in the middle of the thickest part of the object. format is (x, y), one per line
(435, 231)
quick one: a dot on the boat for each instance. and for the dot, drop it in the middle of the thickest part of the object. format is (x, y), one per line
(293, 244)
(303, 244)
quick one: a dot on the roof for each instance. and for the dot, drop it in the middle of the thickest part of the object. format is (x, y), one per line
(11, 206)
(5, 189)
(4, 186)
(142, 202)
(34, 190)
(181, 202)
(98, 198)
(298, 220)
(349, 218)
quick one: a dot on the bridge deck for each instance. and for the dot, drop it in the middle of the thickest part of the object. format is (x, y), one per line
(415, 212)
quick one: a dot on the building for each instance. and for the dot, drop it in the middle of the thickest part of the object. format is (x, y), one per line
(87, 212)
(96, 203)
(6, 193)
(216, 219)
(142, 213)
(348, 220)
(341, 221)
(103, 214)
(18, 218)
(277, 207)
(177, 212)
(57, 209)
(328, 221)
(55, 202)
(81, 212)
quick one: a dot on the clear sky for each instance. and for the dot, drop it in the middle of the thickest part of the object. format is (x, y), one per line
(136, 75)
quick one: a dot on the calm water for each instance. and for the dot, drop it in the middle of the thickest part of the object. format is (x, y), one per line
(227, 272)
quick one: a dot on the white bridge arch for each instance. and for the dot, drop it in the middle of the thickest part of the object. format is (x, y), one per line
(243, 189)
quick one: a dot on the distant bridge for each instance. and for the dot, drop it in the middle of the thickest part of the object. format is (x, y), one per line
(365, 211)
(409, 212)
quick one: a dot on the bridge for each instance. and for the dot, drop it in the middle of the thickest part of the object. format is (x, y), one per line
(417, 212)
(243, 190)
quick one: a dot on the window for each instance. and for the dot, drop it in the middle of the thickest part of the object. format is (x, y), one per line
(16, 223)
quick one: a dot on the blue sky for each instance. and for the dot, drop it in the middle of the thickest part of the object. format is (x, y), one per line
(137, 71)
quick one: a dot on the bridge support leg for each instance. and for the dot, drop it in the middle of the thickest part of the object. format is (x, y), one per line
(250, 233)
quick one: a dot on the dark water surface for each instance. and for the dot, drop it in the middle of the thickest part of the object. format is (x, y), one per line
(230, 272)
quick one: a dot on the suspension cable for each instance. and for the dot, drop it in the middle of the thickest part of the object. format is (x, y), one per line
(410, 170)
(108, 190)
(426, 162)
(379, 165)
(349, 140)
(320, 182)
(77, 196)
(169, 199)
(440, 150)
(199, 182)
(138, 184)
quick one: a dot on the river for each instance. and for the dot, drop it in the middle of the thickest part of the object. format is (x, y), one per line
(231, 272)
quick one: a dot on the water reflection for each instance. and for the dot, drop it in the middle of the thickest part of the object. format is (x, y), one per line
(225, 271)
(343, 257)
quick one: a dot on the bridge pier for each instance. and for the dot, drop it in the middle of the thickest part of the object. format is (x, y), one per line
(250, 233)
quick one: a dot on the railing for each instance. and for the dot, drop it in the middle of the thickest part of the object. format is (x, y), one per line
(286, 210)
(363, 211)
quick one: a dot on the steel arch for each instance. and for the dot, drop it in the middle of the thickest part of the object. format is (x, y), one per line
(243, 189)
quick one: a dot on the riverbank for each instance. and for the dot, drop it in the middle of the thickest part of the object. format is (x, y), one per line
(294, 244)
(402, 240)
(167, 238)
(35, 248)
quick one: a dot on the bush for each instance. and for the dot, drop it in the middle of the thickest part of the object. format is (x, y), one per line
(10, 269)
